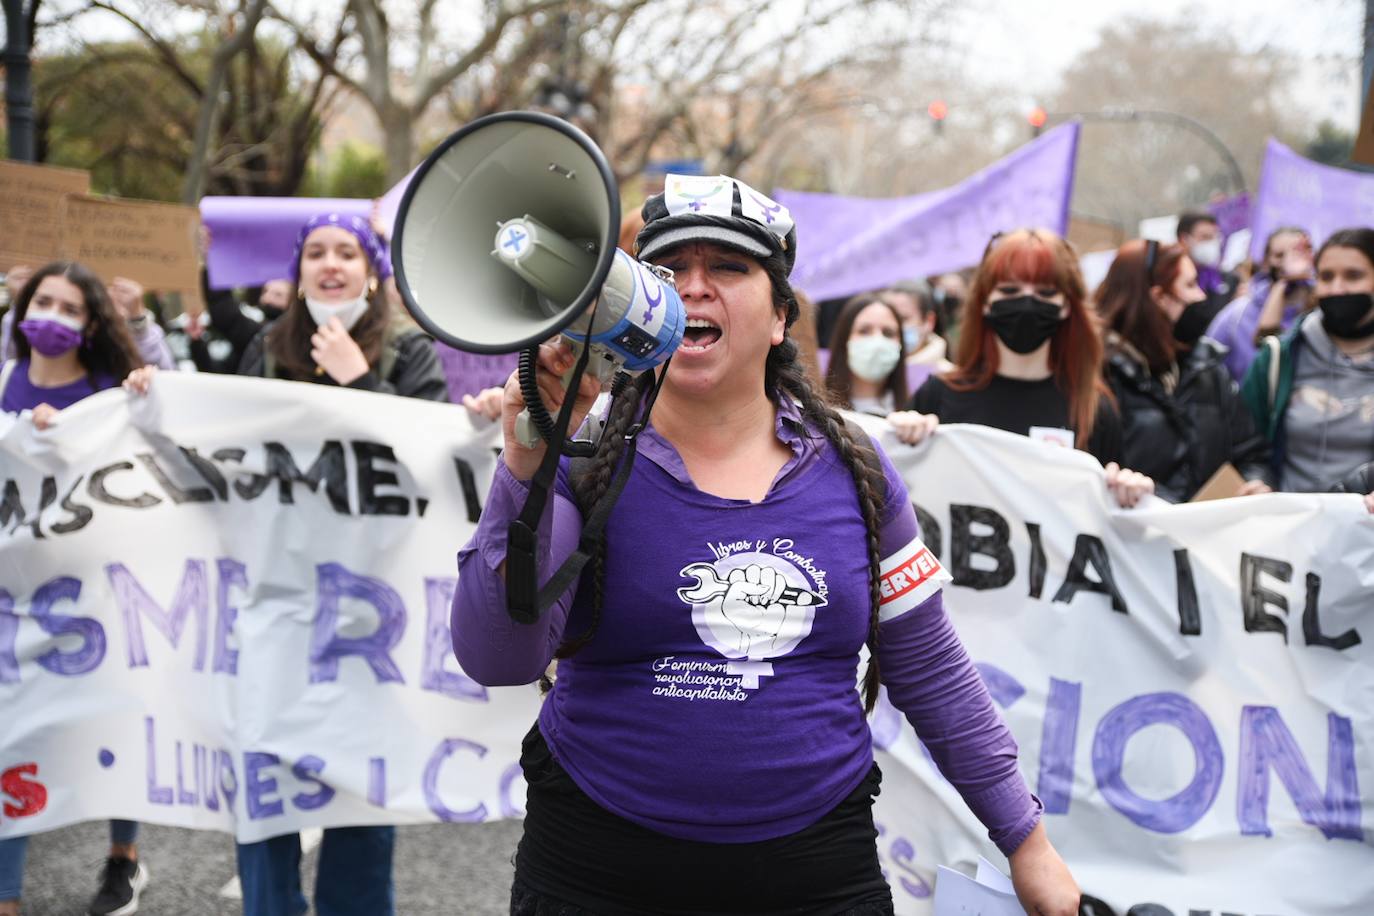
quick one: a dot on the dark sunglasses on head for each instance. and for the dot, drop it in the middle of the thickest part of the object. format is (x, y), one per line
(1151, 256)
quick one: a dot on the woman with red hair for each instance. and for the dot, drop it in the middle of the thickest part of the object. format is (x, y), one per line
(1029, 359)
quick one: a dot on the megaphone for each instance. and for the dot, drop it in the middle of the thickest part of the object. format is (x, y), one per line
(507, 236)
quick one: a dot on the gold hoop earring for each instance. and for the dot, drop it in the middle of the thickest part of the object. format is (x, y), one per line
(372, 287)
(300, 294)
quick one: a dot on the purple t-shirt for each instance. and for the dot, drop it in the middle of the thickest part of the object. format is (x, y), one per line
(22, 394)
(702, 715)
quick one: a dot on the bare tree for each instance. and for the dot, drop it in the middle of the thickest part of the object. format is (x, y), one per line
(718, 81)
(400, 72)
(1128, 170)
(207, 102)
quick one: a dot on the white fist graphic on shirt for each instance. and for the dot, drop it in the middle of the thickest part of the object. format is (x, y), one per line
(751, 605)
(755, 612)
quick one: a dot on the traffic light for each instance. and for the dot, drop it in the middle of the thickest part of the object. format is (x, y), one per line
(1037, 118)
(938, 110)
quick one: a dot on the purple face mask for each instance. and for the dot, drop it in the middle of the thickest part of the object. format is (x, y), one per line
(50, 337)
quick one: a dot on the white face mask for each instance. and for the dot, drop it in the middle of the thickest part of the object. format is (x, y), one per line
(872, 358)
(65, 320)
(1207, 254)
(348, 312)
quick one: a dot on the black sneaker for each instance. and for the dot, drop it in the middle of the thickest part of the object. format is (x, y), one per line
(121, 881)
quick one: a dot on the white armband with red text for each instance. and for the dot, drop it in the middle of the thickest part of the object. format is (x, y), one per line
(907, 578)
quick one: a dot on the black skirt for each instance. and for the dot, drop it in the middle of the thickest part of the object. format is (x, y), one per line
(578, 859)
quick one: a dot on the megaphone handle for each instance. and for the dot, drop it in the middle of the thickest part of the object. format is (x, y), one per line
(526, 433)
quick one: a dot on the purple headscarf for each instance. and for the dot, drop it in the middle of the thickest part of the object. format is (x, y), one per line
(372, 244)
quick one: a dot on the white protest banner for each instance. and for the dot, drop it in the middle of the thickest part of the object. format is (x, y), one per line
(1190, 685)
(186, 643)
(226, 607)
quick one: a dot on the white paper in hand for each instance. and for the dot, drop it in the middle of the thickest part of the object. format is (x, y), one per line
(991, 876)
(957, 894)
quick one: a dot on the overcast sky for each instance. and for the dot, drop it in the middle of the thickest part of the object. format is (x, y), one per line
(1030, 42)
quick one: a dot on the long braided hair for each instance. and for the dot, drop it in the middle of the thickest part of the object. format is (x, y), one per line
(784, 373)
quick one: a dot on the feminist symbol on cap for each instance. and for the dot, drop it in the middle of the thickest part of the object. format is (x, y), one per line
(770, 209)
(698, 201)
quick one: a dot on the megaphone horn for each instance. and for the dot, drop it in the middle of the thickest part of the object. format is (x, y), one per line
(506, 236)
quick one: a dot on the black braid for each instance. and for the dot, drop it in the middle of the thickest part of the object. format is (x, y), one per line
(789, 375)
(590, 487)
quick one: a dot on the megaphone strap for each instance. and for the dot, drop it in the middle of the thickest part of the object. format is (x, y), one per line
(523, 605)
(522, 569)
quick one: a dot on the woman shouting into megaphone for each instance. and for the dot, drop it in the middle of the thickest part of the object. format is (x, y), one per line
(704, 749)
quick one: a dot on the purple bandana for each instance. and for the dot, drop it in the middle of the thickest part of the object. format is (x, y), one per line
(373, 246)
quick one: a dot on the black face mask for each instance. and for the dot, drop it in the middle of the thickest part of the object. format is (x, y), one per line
(1023, 323)
(271, 312)
(1193, 323)
(1341, 315)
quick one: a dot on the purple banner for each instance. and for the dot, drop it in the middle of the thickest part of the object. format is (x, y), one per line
(1294, 191)
(251, 238)
(847, 245)
(469, 373)
(1232, 213)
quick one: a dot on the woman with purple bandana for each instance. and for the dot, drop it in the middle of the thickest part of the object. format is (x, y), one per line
(339, 328)
(704, 747)
(71, 342)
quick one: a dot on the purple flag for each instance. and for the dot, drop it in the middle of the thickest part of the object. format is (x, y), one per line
(1232, 213)
(846, 245)
(1294, 191)
(251, 238)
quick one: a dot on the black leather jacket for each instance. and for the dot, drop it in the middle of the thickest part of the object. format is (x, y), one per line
(1181, 439)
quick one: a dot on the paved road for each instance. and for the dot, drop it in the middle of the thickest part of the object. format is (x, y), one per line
(449, 869)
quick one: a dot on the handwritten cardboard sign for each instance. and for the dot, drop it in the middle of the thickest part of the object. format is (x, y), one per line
(31, 207)
(152, 243)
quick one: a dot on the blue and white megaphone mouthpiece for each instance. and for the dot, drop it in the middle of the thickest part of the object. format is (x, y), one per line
(552, 267)
(638, 319)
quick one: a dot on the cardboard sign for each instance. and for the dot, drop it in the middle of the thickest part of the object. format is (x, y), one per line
(31, 201)
(1224, 484)
(152, 243)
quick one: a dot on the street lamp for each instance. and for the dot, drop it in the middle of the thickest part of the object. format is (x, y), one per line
(18, 86)
(1164, 117)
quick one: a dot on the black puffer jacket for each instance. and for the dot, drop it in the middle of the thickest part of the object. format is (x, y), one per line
(1180, 439)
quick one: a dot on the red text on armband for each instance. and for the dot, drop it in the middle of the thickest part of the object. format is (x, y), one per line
(908, 577)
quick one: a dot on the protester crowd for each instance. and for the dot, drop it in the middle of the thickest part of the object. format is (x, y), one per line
(1181, 379)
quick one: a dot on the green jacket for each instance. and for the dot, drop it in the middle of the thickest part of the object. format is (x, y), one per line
(1268, 397)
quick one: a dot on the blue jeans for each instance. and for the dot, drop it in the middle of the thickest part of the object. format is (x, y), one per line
(354, 877)
(14, 850)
